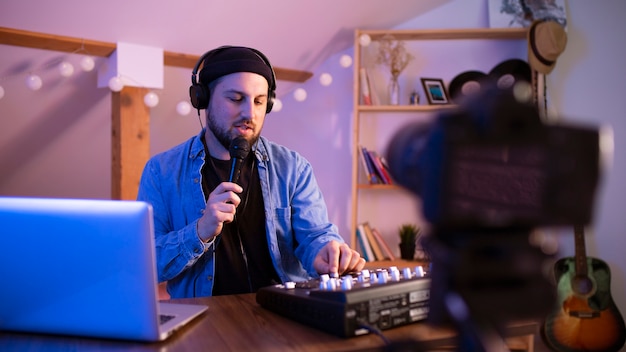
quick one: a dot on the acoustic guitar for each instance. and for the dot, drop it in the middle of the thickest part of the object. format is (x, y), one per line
(585, 317)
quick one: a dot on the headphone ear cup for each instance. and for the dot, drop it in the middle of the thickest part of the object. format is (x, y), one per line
(271, 96)
(199, 95)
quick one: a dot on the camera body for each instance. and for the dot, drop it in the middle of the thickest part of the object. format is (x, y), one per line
(493, 163)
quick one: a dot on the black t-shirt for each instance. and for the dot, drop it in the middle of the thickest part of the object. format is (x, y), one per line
(242, 260)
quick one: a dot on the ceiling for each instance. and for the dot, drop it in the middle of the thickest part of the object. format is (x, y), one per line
(296, 35)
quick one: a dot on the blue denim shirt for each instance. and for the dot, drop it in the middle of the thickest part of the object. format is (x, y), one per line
(297, 224)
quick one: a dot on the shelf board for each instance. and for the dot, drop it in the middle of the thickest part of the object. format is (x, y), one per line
(439, 34)
(377, 186)
(404, 108)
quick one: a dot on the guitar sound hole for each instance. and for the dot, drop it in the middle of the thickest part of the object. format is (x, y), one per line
(582, 285)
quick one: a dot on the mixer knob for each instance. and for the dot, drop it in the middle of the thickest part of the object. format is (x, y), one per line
(324, 278)
(333, 283)
(346, 283)
(383, 277)
(374, 277)
(290, 285)
(419, 271)
(395, 274)
(406, 273)
(364, 276)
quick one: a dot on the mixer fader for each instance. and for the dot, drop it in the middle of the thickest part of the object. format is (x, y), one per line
(352, 304)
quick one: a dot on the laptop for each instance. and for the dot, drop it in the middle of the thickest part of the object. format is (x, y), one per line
(84, 268)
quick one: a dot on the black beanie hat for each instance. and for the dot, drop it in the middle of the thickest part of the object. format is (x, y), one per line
(232, 59)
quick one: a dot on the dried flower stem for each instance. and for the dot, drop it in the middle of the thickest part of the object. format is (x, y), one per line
(393, 54)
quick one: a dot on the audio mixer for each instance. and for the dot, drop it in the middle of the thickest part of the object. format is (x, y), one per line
(353, 304)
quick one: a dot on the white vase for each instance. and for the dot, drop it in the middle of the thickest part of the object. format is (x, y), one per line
(393, 91)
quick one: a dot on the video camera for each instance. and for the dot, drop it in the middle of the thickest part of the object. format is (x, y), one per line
(494, 163)
(488, 173)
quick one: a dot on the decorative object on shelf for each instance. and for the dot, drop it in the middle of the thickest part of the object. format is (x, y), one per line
(408, 240)
(414, 98)
(509, 72)
(393, 91)
(393, 54)
(366, 95)
(465, 84)
(435, 91)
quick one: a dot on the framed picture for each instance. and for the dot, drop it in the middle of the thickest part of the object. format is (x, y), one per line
(435, 91)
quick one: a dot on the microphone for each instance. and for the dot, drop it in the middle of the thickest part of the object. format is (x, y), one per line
(239, 149)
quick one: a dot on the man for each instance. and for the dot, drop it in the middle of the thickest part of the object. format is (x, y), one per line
(217, 237)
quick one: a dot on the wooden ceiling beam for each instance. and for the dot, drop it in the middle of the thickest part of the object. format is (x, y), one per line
(16, 37)
(28, 39)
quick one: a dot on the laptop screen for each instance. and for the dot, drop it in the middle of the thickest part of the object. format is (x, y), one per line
(78, 267)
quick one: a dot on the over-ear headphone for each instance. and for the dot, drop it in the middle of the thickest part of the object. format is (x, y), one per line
(200, 94)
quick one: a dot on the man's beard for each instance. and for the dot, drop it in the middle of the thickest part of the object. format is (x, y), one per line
(223, 136)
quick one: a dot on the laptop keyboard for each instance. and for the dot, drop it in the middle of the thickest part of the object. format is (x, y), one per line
(163, 318)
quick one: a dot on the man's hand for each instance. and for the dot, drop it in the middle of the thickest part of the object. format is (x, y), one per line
(336, 257)
(220, 209)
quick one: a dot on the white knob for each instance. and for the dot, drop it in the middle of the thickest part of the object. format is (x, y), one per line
(395, 274)
(406, 273)
(419, 271)
(346, 283)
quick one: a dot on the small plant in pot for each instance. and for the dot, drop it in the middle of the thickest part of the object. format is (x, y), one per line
(408, 240)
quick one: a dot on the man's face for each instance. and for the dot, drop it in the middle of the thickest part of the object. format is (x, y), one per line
(237, 107)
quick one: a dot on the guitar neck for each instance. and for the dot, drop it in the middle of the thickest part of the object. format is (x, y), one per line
(580, 253)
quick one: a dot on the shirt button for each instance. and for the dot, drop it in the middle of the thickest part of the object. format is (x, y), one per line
(209, 278)
(196, 180)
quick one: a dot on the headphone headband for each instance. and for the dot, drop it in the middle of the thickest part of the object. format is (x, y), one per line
(200, 94)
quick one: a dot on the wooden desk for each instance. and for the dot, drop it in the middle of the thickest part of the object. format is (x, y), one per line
(238, 323)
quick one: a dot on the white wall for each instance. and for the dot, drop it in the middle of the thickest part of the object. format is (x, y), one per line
(68, 154)
(589, 85)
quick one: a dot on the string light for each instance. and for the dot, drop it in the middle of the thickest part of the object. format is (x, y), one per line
(299, 94)
(278, 105)
(87, 63)
(365, 40)
(183, 108)
(66, 69)
(326, 79)
(151, 99)
(33, 82)
(345, 61)
(116, 84)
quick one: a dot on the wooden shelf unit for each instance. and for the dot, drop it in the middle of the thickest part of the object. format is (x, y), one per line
(405, 35)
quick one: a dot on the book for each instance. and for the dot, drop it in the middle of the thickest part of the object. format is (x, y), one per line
(370, 170)
(368, 254)
(373, 92)
(381, 170)
(358, 245)
(364, 165)
(378, 253)
(383, 244)
(365, 87)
